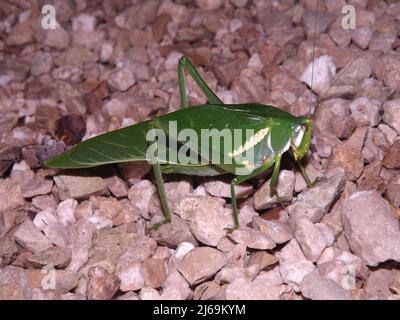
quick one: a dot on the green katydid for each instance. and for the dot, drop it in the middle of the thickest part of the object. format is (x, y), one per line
(274, 132)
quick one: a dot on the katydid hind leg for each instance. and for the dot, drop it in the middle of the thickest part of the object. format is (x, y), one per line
(186, 65)
(163, 198)
(238, 180)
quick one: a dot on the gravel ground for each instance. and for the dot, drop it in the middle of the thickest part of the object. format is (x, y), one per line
(112, 63)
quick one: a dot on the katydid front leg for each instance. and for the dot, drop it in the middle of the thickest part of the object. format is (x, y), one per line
(305, 175)
(274, 179)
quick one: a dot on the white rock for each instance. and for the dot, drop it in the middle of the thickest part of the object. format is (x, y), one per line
(293, 264)
(130, 273)
(83, 22)
(65, 211)
(324, 72)
(366, 111)
(121, 79)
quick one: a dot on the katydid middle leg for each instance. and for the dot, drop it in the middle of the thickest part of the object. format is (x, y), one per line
(185, 64)
(238, 180)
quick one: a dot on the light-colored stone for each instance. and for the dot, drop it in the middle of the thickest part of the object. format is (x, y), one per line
(84, 232)
(222, 189)
(315, 202)
(175, 285)
(293, 264)
(31, 238)
(140, 194)
(208, 219)
(391, 115)
(130, 273)
(310, 239)
(66, 210)
(200, 264)
(242, 289)
(14, 284)
(278, 231)
(79, 187)
(284, 188)
(121, 79)
(315, 287)
(253, 239)
(374, 242)
(325, 71)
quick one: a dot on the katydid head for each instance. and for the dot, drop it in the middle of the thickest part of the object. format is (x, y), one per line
(301, 140)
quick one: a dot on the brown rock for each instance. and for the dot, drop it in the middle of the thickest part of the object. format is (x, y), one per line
(31, 238)
(348, 154)
(379, 282)
(229, 71)
(262, 260)
(101, 285)
(374, 242)
(21, 34)
(10, 195)
(8, 250)
(154, 272)
(14, 284)
(173, 233)
(278, 231)
(324, 21)
(392, 156)
(117, 186)
(393, 191)
(57, 281)
(79, 186)
(71, 128)
(285, 187)
(206, 291)
(200, 264)
(252, 238)
(315, 287)
(57, 257)
(370, 178)
(343, 126)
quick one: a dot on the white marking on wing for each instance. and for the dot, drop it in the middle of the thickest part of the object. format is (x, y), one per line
(255, 139)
